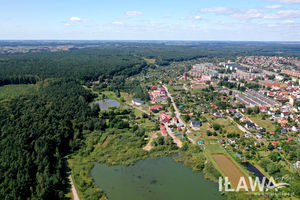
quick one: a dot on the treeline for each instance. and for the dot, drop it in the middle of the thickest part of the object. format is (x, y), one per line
(36, 133)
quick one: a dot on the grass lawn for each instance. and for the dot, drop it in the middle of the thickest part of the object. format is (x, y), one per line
(127, 97)
(150, 60)
(201, 133)
(149, 125)
(267, 124)
(213, 147)
(110, 95)
(12, 91)
(229, 126)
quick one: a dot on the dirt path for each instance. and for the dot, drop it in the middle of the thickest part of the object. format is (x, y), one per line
(74, 192)
(149, 146)
(134, 106)
(175, 139)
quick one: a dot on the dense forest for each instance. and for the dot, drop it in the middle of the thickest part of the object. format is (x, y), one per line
(38, 130)
(36, 133)
(110, 59)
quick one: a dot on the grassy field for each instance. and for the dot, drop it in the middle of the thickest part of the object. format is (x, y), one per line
(12, 91)
(150, 60)
(201, 133)
(127, 97)
(267, 124)
(229, 126)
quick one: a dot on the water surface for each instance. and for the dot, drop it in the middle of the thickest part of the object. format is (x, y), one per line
(106, 103)
(154, 179)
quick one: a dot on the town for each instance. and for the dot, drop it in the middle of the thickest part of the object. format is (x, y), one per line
(249, 108)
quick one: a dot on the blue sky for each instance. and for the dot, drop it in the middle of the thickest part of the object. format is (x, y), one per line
(251, 20)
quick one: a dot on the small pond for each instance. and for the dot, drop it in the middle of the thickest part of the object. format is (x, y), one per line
(106, 103)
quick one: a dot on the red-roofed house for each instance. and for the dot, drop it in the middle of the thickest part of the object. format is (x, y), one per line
(164, 132)
(155, 107)
(263, 109)
(164, 117)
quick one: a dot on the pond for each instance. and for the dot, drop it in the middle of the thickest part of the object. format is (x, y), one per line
(106, 103)
(159, 179)
(256, 172)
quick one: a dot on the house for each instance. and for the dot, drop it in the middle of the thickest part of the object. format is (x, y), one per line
(270, 113)
(164, 117)
(231, 141)
(283, 130)
(274, 143)
(221, 141)
(196, 124)
(298, 164)
(238, 115)
(296, 128)
(217, 114)
(161, 99)
(256, 143)
(258, 136)
(284, 114)
(162, 90)
(263, 109)
(137, 101)
(164, 132)
(243, 119)
(156, 108)
(249, 125)
(231, 110)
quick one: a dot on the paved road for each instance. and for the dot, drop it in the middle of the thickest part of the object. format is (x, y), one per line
(178, 115)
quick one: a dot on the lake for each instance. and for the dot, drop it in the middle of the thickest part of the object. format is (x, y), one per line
(154, 179)
(106, 103)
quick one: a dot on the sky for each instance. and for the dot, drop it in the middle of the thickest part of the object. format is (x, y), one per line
(236, 20)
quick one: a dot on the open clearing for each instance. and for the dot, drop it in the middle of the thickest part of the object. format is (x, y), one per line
(229, 169)
(267, 124)
(149, 146)
(13, 91)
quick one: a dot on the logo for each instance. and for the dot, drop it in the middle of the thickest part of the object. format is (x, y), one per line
(252, 185)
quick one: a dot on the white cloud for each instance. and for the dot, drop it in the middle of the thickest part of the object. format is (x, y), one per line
(134, 13)
(191, 18)
(272, 25)
(288, 21)
(286, 1)
(273, 6)
(67, 24)
(283, 14)
(117, 23)
(214, 10)
(75, 19)
(248, 14)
